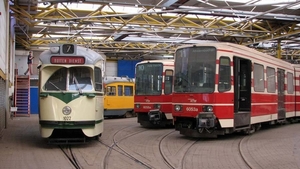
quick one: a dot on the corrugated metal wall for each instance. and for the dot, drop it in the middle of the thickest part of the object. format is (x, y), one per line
(34, 100)
(34, 96)
(121, 68)
(127, 68)
(2, 105)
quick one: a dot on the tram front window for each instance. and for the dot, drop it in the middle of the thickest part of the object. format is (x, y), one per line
(57, 81)
(148, 79)
(195, 69)
(79, 79)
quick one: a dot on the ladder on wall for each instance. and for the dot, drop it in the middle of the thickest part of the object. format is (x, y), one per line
(22, 95)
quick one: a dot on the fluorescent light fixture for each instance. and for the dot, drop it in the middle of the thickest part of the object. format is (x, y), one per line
(271, 2)
(295, 7)
(236, 1)
(168, 56)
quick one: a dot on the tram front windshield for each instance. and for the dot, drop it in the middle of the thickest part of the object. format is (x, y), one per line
(70, 79)
(195, 69)
(148, 80)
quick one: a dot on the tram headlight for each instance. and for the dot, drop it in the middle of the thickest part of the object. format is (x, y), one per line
(178, 107)
(207, 108)
(137, 106)
(157, 106)
(66, 110)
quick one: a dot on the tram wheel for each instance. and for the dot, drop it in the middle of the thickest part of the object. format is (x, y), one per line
(250, 130)
(98, 137)
(128, 114)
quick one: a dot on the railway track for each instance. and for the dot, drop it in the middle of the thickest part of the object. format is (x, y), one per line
(67, 150)
(244, 158)
(115, 147)
(140, 160)
(165, 158)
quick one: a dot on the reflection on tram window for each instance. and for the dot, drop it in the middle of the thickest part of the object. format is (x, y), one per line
(57, 81)
(80, 79)
(149, 79)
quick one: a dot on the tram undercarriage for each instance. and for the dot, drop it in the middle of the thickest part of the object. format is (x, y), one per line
(67, 136)
(154, 118)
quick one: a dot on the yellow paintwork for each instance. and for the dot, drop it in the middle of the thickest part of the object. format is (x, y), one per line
(118, 102)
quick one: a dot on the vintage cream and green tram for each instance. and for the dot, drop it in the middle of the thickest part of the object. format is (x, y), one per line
(70, 93)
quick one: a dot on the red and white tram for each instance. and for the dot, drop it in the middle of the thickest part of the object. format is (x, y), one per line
(297, 89)
(153, 92)
(221, 88)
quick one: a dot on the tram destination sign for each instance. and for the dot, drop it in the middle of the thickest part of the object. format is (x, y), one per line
(67, 60)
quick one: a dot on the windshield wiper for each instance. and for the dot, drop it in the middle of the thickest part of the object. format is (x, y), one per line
(184, 84)
(77, 84)
(55, 86)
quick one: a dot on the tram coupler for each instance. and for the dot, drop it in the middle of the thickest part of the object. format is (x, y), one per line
(206, 120)
(155, 116)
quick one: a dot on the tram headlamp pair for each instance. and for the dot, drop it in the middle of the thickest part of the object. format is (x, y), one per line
(178, 107)
(66, 110)
(207, 108)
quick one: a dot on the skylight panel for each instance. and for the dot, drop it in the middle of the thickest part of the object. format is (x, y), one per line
(271, 2)
(74, 6)
(235, 1)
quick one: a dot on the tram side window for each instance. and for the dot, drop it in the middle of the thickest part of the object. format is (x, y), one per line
(120, 90)
(271, 84)
(290, 83)
(98, 79)
(259, 81)
(128, 90)
(111, 91)
(168, 81)
(57, 80)
(224, 74)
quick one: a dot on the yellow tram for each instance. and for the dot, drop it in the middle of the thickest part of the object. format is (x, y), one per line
(119, 97)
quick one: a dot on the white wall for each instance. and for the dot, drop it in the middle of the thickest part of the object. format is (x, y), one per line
(3, 36)
(21, 61)
(12, 55)
(111, 68)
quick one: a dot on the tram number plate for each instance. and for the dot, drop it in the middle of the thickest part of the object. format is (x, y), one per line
(67, 118)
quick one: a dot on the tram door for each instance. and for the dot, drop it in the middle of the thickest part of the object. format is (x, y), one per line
(281, 100)
(242, 91)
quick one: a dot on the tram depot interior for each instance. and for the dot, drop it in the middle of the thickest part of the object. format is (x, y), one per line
(131, 31)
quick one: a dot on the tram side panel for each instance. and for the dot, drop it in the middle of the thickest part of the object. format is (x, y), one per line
(297, 90)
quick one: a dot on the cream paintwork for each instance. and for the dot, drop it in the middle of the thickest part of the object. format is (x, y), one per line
(228, 123)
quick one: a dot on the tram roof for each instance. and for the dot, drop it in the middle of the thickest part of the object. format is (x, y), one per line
(240, 49)
(91, 57)
(111, 79)
(157, 61)
(228, 46)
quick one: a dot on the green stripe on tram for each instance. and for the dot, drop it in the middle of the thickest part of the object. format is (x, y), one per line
(69, 124)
